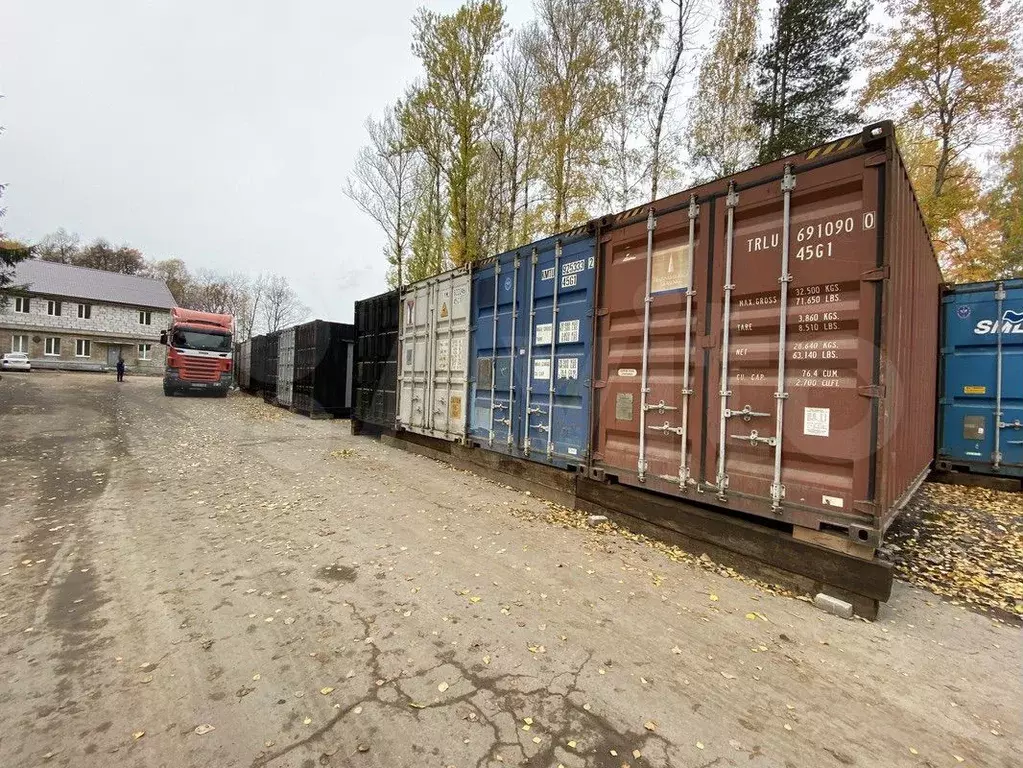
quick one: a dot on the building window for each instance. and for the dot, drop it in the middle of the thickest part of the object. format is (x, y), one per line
(85, 311)
(19, 344)
(53, 346)
(21, 304)
(145, 317)
(83, 348)
(145, 351)
(53, 308)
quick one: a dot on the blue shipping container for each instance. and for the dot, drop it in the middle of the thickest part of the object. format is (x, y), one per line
(532, 325)
(980, 415)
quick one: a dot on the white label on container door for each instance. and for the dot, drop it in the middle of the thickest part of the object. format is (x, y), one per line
(628, 373)
(573, 451)
(568, 367)
(544, 332)
(442, 354)
(817, 422)
(542, 370)
(568, 331)
(569, 281)
(458, 353)
(832, 501)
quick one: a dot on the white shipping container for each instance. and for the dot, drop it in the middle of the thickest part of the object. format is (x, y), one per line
(434, 355)
(286, 367)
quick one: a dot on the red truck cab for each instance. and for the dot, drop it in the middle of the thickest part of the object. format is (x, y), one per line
(198, 352)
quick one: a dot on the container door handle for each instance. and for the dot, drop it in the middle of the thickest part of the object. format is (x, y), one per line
(666, 427)
(754, 437)
(746, 413)
(660, 407)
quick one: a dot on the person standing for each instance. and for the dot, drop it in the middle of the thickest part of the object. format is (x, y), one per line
(120, 369)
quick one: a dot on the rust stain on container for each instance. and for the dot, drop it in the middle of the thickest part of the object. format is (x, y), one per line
(827, 249)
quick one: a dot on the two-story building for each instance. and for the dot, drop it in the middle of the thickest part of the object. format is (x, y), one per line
(77, 318)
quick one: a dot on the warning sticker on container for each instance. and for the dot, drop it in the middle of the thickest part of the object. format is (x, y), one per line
(542, 370)
(568, 367)
(455, 409)
(817, 422)
(568, 331)
(628, 373)
(832, 501)
(544, 332)
(974, 390)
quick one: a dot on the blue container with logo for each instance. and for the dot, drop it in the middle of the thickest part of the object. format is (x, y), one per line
(980, 411)
(531, 350)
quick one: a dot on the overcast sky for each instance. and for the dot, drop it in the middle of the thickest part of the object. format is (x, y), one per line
(218, 132)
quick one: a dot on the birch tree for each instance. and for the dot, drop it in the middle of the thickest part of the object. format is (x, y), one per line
(722, 134)
(575, 96)
(683, 24)
(384, 184)
(457, 52)
(632, 28)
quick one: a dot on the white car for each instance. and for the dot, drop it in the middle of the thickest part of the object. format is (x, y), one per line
(15, 361)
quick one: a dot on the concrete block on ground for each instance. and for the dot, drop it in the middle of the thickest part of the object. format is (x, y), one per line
(833, 605)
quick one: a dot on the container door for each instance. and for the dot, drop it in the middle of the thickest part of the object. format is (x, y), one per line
(795, 270)
(450, 311)
(982, 390)
(556, 367)
(650, 354)
(494, 418)
(417, 356)
(286, 367)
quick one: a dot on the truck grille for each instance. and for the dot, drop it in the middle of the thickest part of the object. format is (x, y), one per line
(200, 369)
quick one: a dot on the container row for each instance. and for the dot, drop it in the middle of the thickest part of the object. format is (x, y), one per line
(765, 343)
(307, 368)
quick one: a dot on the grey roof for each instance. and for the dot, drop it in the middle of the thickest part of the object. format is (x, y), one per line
(54, 279)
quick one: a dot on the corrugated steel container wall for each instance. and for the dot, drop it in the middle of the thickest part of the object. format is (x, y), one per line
(257, 374)
(323, 356)
(533, 325)
(286, 367)
(270, 366)
(245, 365)
(433, 355)
(846, 437)
(376, 359)
(980, 412)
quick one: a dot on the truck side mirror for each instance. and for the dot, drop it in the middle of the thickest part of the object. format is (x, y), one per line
(163, 338)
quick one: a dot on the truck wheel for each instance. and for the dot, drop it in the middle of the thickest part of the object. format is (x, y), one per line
(167, 391)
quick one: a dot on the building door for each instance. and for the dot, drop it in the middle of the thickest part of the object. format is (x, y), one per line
(113, 352)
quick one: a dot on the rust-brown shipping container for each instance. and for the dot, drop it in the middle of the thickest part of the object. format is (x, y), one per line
(824, 255)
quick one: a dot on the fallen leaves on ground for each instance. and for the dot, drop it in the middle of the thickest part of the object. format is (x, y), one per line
(963, 543)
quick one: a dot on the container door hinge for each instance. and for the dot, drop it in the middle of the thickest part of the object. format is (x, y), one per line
(871, 390)
(599, 384)
(875, 275)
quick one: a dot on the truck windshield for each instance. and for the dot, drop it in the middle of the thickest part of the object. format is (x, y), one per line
(210, 342)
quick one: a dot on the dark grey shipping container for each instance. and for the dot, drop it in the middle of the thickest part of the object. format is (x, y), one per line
(270, 367)
(376, 360)
(324, 359)
(257, 365)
